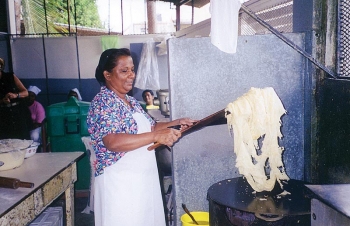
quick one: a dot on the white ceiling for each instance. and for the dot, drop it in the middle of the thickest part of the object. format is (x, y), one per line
(254, 5)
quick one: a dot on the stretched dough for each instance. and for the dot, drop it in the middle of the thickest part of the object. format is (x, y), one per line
(255, 121)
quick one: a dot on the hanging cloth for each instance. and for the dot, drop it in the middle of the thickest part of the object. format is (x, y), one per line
(109, 41)
(224, 24)
(147, 73)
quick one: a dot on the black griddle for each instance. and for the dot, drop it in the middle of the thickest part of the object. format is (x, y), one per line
(234, 202)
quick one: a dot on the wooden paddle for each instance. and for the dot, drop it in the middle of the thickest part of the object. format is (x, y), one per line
(213, 119)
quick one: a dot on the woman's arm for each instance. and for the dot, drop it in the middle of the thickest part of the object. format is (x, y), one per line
(22, 91)
(122, 142)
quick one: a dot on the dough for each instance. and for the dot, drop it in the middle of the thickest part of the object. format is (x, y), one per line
(254, 119)
(7, 145)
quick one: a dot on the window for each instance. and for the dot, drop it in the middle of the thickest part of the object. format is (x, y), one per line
(101, 17)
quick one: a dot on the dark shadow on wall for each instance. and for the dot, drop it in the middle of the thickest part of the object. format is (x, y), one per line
(334, 132)
(3, 17)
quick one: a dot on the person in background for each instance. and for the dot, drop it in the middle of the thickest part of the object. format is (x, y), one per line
(14, 113)
(37, 113)
(148, 97)
(75, 93)
(127, 188)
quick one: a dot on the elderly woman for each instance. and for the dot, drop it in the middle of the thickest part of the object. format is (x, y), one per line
(15, 118)
(127, 189)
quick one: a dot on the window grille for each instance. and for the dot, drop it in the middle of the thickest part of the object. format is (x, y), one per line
(279, 16)
(344, 38)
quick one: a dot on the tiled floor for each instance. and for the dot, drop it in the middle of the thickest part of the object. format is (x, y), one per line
(82, 219)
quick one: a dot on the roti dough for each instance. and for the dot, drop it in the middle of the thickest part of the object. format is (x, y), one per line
(254, 119)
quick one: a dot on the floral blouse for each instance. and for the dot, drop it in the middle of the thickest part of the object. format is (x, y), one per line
(109, 114)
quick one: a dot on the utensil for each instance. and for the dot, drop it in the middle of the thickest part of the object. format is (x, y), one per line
(11, 159)
(8, 182)
(30, 151)
(189, 214)
(213, 119)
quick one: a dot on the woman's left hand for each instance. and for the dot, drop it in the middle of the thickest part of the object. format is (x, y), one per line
(183, 122)
(186, 122)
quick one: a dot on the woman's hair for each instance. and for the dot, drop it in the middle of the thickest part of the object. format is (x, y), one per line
(108, 61)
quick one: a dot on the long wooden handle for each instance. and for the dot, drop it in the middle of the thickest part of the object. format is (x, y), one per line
(189, 214)
(154, 146)
(201, 123)
(157, 145)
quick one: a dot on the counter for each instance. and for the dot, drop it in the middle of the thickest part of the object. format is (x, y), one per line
(52, 174)
(330, 204)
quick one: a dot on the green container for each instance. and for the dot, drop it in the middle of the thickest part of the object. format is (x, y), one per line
(66, 124)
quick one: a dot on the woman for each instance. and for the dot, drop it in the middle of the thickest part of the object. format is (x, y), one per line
(15, 119)
(37, 112)
(127, 189)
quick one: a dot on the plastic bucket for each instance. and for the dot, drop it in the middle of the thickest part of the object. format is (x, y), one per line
(202, 218)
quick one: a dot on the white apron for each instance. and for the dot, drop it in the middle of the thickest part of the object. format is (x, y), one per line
(128, 192)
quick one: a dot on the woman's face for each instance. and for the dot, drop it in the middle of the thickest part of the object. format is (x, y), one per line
(121, 78)
(148, 98)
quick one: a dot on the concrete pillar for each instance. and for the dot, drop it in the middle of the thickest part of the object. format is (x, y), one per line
(17, 4)
(151, 17)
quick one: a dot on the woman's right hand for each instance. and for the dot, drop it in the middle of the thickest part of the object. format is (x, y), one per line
(10, 96)
(167, 136)
(6, 100)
